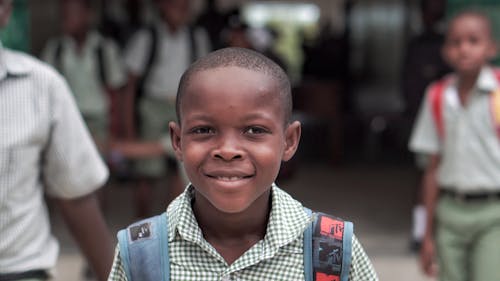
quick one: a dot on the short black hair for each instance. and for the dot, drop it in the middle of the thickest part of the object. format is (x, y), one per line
(244, 58)
(476, 13)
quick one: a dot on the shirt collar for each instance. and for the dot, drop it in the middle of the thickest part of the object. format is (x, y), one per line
(162, 27)
(487, 80)
(91, 41)
(181, 218)
(287, 220)
(10, 64)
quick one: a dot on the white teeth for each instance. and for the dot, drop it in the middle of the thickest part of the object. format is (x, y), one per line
(229, 178)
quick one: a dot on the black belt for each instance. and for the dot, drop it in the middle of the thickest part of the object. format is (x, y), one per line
(469, 197)
(31, 274)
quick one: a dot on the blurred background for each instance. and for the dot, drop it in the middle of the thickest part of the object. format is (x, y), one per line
(359, 69)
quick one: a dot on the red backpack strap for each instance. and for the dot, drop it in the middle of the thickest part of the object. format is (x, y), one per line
(436, 99)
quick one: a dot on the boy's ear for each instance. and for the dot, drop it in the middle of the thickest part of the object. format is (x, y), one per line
(292, 138)
(175, 137)
(493, 50)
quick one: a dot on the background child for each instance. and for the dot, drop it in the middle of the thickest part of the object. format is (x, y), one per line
(233, 132)
(462, 183)
(91, 64)
(155, 58)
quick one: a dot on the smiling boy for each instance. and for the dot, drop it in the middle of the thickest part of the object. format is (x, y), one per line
(233, 131)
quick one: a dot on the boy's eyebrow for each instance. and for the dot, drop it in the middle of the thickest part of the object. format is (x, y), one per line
(198, 116)
(258, 115)
(209, 117)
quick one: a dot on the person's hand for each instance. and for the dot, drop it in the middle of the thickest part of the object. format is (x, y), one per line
(428, 257)
(118, 146)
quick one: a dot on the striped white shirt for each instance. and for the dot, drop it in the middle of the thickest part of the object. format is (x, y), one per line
(44, 146)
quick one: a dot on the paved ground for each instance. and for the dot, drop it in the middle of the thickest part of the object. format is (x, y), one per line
(378, 198)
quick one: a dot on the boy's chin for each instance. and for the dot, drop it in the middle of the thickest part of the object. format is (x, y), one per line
(232, 206)
(468, 69)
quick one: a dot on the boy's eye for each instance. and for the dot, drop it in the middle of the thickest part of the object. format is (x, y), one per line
(255, 130)
(473, 40)
(202, 130)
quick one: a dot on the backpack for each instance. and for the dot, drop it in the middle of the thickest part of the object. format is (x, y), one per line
(327, 249)
(436, 92)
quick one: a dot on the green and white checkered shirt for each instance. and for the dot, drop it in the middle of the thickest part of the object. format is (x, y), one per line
(279, 256)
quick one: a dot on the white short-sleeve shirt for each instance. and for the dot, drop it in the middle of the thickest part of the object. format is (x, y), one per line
(173, 57)
(44, 146)
(470, 148)
(81, 70)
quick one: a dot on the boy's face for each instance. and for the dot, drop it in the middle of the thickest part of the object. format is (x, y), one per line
(232, 137)
(76, 17)
(175, 12)
(469, 44)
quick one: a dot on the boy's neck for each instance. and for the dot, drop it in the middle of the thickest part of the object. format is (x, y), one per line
(466, 82)
(171, 27)
(232, 234)
(79, 38)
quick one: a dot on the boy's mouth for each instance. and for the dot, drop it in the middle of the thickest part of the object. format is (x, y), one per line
(233, 178)
(228, 176)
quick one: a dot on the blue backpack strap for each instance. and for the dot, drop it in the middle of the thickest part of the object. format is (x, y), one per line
(327, 248)
(308, 264)
(144, 249)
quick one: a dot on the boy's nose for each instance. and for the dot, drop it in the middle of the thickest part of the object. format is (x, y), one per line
(227, 150)
(464, 47)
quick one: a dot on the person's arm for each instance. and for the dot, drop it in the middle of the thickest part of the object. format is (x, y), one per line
(72, 170)
(138, 149)
(425, 140)
(430, 194)
(87, 225)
